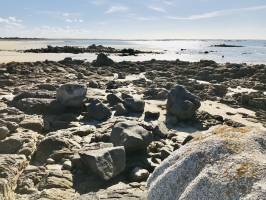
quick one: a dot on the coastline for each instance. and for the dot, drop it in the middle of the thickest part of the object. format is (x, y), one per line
(55, 139)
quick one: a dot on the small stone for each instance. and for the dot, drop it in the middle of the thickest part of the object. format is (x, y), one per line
(34, 124)
(113, 99)
(98, 111)
(3, 132)
(50, 161)
(93, 84)
(152, 115)
(120, 110)
(139, 174)
(165, 152)
(67, 165)
(134, 105)
(161, 130)
(53, 167)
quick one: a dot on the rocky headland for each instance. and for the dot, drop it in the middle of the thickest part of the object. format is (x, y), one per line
(132, 130)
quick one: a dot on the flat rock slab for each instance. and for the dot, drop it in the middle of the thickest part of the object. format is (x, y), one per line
(19, 143)
(121, 191)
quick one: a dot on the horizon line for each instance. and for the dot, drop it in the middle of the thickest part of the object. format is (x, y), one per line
(128, 39)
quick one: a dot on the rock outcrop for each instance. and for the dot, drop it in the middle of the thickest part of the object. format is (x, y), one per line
(106, 163)
(130, 135)
(181, 103)
(225, 163)
(11, 167)
(103, 60)
(71, 95)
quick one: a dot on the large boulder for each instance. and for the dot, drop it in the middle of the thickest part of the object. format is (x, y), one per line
(181, 103)
(223, 163)
(71, 95)
(106, 163)
(103, 60)
(130, 135)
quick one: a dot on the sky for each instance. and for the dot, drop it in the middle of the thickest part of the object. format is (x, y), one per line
(134, 19)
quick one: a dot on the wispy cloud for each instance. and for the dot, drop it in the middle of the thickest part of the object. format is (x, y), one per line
(219, 13)
(98, 2)
(169, 3)
(69, 17)
(72, 17)
(11, 21)
(115, 9)
(157, 9)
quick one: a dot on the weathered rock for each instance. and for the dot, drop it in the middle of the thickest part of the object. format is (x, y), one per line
(71, 95)
(34, 105)
(218, 164)
(11, 167)
(51, 145)
(56, 179)
(121, 190)
(134, 105)
(181, 103)
(67, 165)
(98, 111)
(161, 130)
(218, 90)
(19, 143)
(152, 115)
(12, 126)
(4, 132)
(53, 194)
(181, 137)
(102, 60)
(83, 130)
(35, 124)
(113, 99)
(34, 94)
(156, 94)
(93, 84)
(139, 174)
(107, 162)
(130, 135)
(120, 110)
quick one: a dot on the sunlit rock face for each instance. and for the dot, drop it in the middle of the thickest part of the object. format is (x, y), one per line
(223, 163)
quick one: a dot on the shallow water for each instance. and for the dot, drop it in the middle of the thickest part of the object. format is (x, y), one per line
(254, 51)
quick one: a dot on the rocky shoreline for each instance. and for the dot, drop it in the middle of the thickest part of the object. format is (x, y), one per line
(79, 130)
(90, 49)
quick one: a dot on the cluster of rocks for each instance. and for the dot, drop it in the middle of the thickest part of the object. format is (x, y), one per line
(78, 130)
(90, 49)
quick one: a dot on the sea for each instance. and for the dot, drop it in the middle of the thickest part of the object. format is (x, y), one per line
(250, 52)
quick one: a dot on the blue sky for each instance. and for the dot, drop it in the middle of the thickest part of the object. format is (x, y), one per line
(134, 19)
